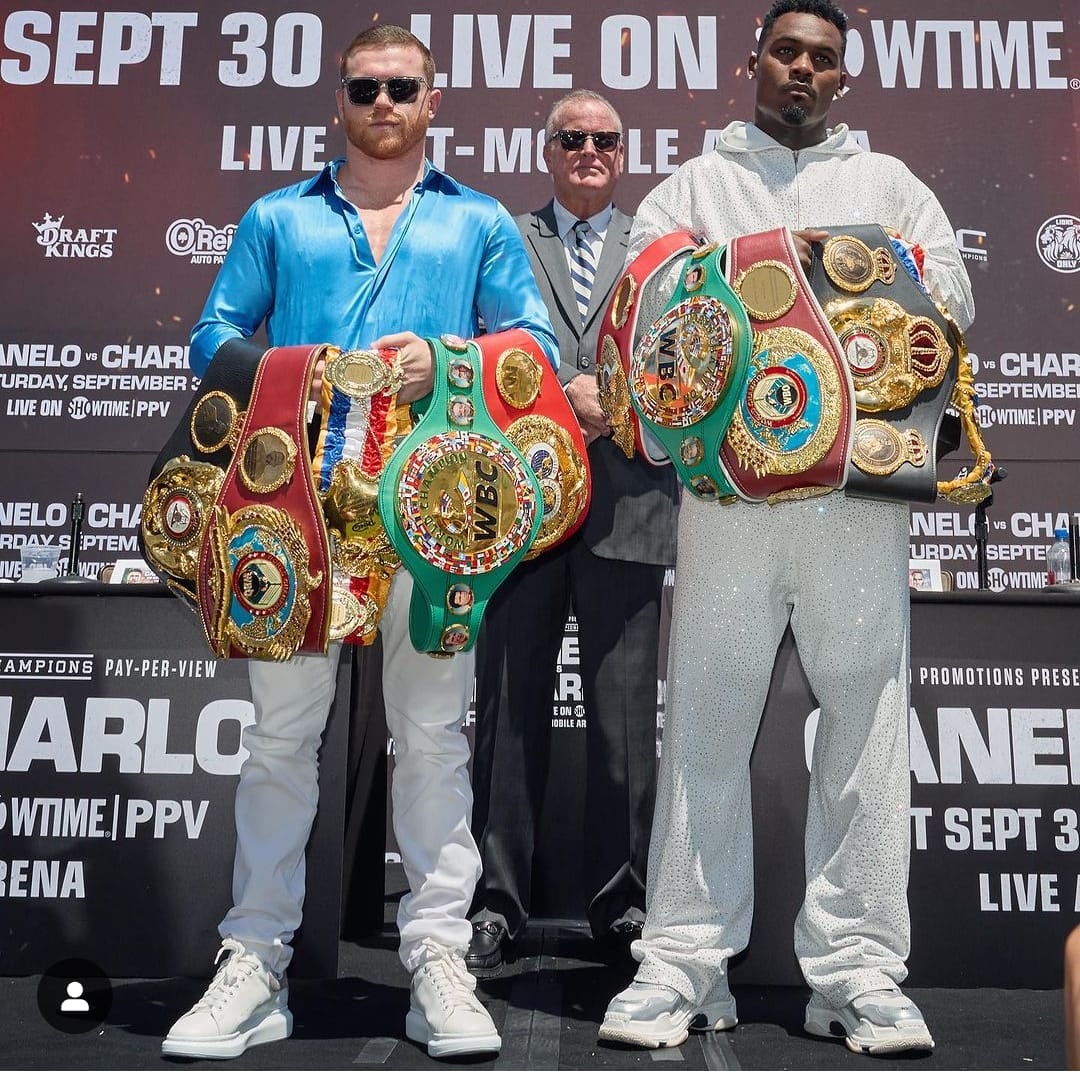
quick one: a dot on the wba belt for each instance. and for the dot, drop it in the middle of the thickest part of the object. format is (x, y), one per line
(460, 504)
(903, 352)
(790, 436)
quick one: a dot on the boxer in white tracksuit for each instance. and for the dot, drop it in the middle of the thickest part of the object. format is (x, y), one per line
(835, 567)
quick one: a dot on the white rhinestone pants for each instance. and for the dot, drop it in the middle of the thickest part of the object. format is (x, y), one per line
(836, 568)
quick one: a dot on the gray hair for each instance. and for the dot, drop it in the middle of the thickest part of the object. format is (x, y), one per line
(550, 127)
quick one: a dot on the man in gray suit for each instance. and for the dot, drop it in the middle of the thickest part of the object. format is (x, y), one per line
(610, 573)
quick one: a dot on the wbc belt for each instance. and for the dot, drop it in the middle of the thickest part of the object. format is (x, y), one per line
(903, 352)
(264, 566)
(688, 369)
(637, 300)
(459, 502)
(790, 436)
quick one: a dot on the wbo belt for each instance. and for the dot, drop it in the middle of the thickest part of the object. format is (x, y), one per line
(903, 351)
(464, 500)
(790, 435)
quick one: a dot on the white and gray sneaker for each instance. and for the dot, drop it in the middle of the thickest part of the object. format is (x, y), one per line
(246, 1004)
(883, 1021)
(654, 1016)
(444, 1014)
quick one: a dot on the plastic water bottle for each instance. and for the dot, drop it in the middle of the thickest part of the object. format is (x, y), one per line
(1058, 560)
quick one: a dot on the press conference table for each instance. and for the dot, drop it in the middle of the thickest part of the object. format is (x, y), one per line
(119, 748)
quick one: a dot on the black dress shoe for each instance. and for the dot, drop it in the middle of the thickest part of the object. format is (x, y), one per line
(615, 944)
(486, 948)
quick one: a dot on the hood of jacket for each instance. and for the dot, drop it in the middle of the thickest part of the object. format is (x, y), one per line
(742, 137)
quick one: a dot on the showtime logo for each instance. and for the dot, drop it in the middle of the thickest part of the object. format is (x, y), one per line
(193, 238)
(1058, 243)
(974, 54)
(68, 243)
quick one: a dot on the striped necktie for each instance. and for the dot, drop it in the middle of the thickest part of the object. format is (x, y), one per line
(582, 267)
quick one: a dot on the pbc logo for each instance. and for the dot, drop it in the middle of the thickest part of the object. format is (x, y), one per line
(192, 237)
(67, 243)
(972, 244)
(1058, 243)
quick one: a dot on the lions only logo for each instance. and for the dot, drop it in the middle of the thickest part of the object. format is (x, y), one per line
(1058, 243)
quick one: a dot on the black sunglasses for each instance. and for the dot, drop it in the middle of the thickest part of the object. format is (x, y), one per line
(401, 89)
(602, 141)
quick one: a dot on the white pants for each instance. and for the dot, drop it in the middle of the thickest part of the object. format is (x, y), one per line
(278, 792)
(836, 568)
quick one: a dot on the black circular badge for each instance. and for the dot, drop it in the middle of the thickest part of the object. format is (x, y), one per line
(74, 996)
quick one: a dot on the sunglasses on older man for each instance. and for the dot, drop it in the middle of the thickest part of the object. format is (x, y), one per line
(401, 89)
(603, 141)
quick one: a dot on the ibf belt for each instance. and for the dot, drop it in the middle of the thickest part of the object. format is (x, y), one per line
(902, 351)
(459, 503)
(264, 567)
(687, 371)
(637, 300)
(527, 402)
(790, 436)
(360, 422)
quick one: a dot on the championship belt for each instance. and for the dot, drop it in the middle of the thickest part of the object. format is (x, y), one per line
(903, 352)
(790, 435)
(635, 303)
(188, 473)
(360, 423)
(528, 404)
(264, 567)
(688, 369)
(459, 503)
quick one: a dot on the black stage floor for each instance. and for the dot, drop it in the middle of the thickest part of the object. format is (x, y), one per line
(547, 1004)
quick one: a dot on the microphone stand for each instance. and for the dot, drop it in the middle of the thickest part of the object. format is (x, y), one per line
(75, 546)
(982, 528)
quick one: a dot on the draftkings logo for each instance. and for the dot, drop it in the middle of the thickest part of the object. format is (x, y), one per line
(62, 242)
(194, 239)
(1058, 243)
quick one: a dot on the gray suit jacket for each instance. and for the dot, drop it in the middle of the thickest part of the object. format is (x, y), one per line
(633, 511)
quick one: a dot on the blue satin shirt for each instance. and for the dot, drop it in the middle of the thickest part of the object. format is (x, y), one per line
(300, 260)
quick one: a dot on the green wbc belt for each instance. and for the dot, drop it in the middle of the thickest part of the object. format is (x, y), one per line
(459, 504)
(688, 369)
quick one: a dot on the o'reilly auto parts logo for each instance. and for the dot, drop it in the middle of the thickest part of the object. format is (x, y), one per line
(1058, 242)
(61, 241)
(192, 238)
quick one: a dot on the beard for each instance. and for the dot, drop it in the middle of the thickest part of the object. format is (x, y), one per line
(793, 114)
(387, 143)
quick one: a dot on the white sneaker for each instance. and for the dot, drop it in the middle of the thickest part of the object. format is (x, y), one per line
(444, 1014)
(657, 1015)
(884, 1021)
(246, 1004)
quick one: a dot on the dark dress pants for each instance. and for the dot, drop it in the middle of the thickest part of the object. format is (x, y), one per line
(617, 605)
